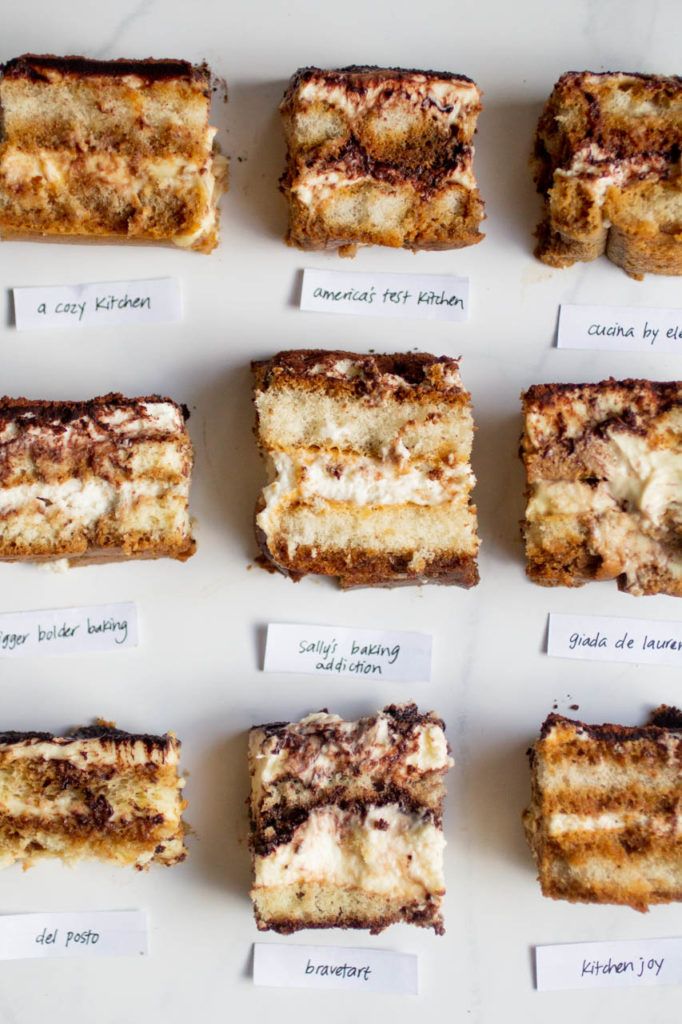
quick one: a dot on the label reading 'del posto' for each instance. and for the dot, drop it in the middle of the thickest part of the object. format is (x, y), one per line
(86, 934)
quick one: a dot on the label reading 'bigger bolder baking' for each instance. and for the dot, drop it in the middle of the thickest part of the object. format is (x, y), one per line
(99, 627)
(342, 651)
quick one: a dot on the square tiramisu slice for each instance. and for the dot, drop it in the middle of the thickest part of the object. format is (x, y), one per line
(97, 793)
(604, 820)
(368, 457)
(94, 481)
(607, 161)
(120, 149)
(604, 470)
(381, 156)
(346, 821)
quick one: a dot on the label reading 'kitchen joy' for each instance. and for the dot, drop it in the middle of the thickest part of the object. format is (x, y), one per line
(363, 970)
(340, 651)
(100, 627)
(607, 638)
(620, 328)
(86, 934)
(412, 296)
(609, 964)
(155, 301)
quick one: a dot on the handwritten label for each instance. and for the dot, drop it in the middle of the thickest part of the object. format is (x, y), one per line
(620, 328)
(366, 970)
(606, 638)
(609, 964)
(413, 296)
(339, 651)
(100, 627)
(92, 933)
(157, 301)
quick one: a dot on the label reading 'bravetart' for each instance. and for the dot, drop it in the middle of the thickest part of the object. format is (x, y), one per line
(609, 964)
(100, 627)
(607, 638)
(340, 651)
(620, 328)
(363, 970)
(412, 296)
(87, 934)
(155, 301)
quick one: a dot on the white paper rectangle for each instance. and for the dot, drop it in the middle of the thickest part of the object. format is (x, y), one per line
(99, 627)
(86, 934)
(609, 964)
(412, 296)
(607, 638)
(620, 328)
(156, 301)
(341, 651)
(364, 970)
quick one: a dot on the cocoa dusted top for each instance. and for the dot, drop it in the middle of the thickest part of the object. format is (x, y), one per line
(106, 733)
(33, 67)
(364, 373)
(358, 77)
(663, 721)
(650, 393)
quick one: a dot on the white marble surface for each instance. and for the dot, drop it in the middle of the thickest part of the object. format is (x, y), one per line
(197, 669)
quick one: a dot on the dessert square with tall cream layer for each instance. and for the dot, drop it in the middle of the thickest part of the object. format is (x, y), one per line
(381, 156)
(369, 465)
(346, 821)
(118, 149)
(607, 163)
(97, 792)
(604, 474)
(95, 481)
(604, 821)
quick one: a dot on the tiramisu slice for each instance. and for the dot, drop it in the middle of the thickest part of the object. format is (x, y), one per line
(604, 821)
(607, 161)
(95, 793)
(381, 156)
(369, 465)
(346, 821)
(604, 470)
(119, 149)
(94, 481)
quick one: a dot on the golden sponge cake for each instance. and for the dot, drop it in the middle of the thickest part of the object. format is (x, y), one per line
(604, 471)
(108, 149)
(346, 821)
(607, 156)
(380, 156)
(97, 792)
(604, 822)
(368, 458)
(95, 481)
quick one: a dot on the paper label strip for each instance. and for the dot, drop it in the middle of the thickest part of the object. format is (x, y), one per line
(411, 296)
(608, 638)
(609, 964)
(341, 651)
(87, 934)
(100, 627)
(365, 970)
(155, 301)
(620, 328)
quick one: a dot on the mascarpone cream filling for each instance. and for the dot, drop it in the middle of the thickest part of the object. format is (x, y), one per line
(614, 821)
(599, 171)
(83, 501)
(123, 421)
(450, 98)
(313, 187)
(387, 852)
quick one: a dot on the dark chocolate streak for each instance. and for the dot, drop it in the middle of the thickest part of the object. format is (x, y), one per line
(411, 366)
(405, 718)
(427, 177)
(29, 66)
(90, 732)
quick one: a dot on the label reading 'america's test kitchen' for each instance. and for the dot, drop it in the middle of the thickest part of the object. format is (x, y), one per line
(606, 638)
(156, 301)
(620, 328)
(99, 627)
(340, 651)
(609, 964)
(87, 934)
(412, 296)
(363, 970)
